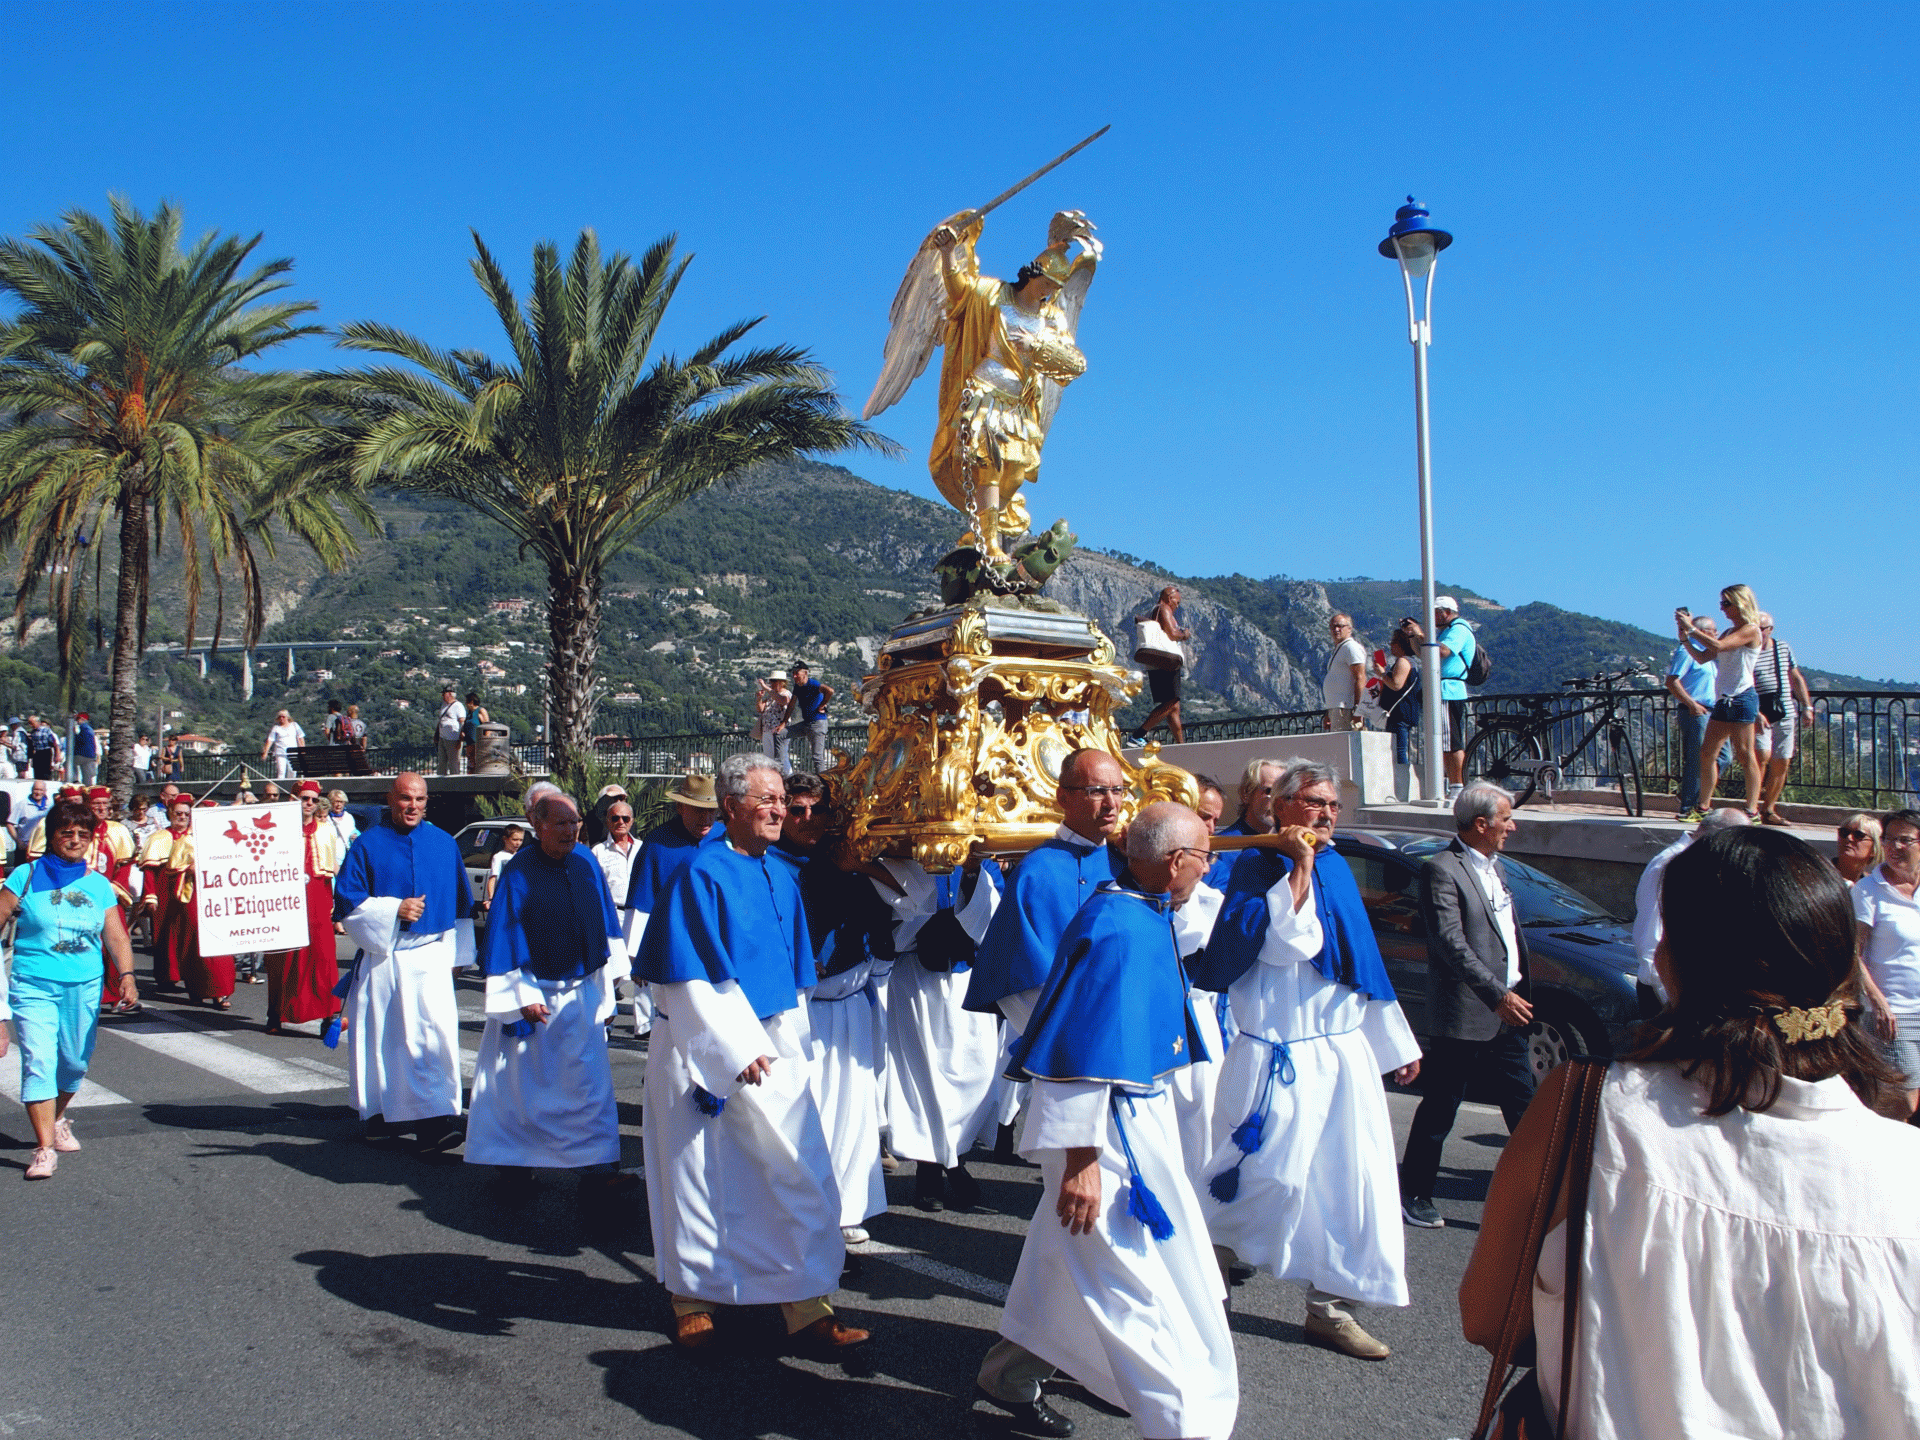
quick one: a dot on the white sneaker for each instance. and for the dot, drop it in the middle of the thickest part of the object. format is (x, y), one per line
(63, 1140)
(854, 1235)
(43, 1164)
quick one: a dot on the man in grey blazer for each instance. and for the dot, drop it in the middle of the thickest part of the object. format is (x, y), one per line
(1477, 1011)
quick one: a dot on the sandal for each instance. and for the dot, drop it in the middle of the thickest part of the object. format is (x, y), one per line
(223, 1002)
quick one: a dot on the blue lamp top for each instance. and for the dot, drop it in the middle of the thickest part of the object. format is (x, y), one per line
(1411, 219)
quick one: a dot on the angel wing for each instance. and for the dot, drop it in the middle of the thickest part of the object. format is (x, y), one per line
(917, 318)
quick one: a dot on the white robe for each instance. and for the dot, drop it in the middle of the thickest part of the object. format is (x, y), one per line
(1319, 1201)
(1193, 1086)
(846, 1085)
(744, 1206)
(403, 1025)
(546, 1099)
(1139, 1322)
(942, 1057)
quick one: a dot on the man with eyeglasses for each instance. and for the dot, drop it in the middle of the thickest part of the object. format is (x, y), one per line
(1054, 880)
(542, 1083)
(615, 856)
(1303, 1180)
(1118, 1217)
(852, 954)
(740, 1183)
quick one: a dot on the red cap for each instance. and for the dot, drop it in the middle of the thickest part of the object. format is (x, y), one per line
(99, 792)
(307, 787)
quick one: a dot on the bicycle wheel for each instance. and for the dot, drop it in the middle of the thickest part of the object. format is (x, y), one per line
(1494, 749)
(1627, 765)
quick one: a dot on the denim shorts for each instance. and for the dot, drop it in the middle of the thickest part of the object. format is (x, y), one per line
(1742, 708)
(55, 1023)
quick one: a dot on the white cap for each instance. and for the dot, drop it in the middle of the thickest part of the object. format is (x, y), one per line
(1446, 602)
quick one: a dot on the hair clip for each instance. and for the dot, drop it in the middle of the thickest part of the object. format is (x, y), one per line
(1816, 1023)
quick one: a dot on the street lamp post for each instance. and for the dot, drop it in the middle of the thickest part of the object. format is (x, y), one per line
(1416, 245)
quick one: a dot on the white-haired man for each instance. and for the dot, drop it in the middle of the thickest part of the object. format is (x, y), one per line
(1303, 1180)
(1122, 1292)
(740, 1182)
(1478, 990)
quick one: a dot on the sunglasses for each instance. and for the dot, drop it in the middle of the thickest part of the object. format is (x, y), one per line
(619, 819)
(1855, 835)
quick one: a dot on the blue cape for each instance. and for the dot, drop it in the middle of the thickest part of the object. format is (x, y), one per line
(731, 916)
(663, 855)
(50, 872)
(1052, 883)
(553, 920)
(423, 861)
(1115, 1006)
(1350, 954)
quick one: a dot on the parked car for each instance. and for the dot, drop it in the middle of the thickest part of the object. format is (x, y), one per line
(1584, 996)
(479, 842)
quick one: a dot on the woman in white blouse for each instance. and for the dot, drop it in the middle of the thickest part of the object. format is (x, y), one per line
(1752, 1259)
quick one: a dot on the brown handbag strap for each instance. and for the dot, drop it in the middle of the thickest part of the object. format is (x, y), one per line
(1571, 1140)
(1591, 1075)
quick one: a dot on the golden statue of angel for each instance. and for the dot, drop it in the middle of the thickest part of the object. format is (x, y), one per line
(1010, 353)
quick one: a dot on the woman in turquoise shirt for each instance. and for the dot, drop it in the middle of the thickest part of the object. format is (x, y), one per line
(66, 912)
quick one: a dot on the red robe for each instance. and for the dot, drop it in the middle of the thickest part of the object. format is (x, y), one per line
(300, 982)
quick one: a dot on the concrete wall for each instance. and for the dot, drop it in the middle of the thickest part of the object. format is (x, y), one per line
(1364, 759)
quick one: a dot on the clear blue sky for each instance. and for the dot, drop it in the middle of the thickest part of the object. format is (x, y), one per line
(1673, 341)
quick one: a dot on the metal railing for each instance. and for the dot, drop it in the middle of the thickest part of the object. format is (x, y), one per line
(1862, 747)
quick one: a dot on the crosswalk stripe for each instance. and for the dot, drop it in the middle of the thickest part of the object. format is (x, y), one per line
(198, 1048)
(88, 1094)
(923, 1264)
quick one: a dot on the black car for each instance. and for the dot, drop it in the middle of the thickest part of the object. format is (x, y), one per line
(1584, 965)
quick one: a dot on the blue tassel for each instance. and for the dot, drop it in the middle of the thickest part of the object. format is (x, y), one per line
(1250, 1133)
(518, 1029)
(1142, 1204)
(1145, 1207)
(1225, 1187)
(332, 1038)
(346, 984)
(707, 1102)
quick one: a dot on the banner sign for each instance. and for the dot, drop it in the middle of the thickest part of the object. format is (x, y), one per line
(250, 878)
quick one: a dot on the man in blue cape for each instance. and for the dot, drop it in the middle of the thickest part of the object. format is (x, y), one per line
(1303, 1179)
(542, 1085)
(664, 853)
(403, 897)
(1117, 1283)
(740, 1183)
(1054, 880)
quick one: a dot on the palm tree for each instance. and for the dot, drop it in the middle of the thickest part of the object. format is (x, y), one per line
(123, 405)
(580, 441)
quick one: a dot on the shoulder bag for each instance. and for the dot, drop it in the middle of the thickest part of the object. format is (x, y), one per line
(1773, 704)
(1154, 647)
(1520, 1413)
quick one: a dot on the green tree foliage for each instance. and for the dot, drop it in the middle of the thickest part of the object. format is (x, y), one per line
(125, 406)
(583, 438)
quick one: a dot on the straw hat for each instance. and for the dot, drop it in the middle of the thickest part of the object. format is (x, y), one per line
(695, 790)
(776, 675)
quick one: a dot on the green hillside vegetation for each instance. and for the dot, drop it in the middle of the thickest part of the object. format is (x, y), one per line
(791, 562)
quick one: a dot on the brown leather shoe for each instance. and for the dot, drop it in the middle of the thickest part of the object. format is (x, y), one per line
(692, 1331)
(828, 1337)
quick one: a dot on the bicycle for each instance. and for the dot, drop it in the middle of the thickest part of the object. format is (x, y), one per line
(1515, 751)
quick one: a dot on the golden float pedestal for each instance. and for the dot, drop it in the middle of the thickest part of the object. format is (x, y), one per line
(975, 706)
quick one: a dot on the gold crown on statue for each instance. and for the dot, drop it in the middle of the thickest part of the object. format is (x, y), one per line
(1054, 265)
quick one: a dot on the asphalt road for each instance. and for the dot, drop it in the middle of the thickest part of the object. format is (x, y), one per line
(227, 1258)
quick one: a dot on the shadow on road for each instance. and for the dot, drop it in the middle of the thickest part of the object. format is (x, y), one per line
(324, 1143)
(769, 1393)
(472, 1295)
